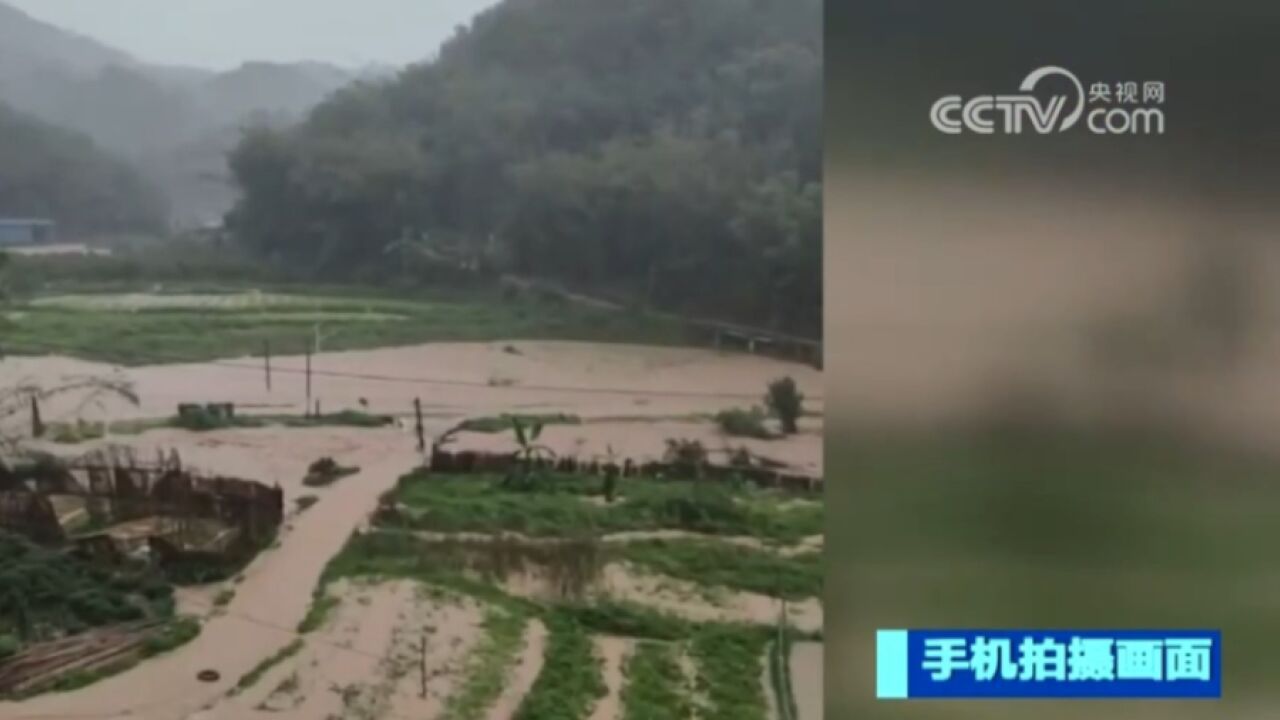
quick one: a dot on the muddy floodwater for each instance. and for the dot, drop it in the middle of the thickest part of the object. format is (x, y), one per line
(630, 397)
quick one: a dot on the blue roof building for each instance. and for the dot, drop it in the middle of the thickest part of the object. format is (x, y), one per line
(21, 232)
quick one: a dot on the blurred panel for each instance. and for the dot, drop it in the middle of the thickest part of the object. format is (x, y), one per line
(1055, 360)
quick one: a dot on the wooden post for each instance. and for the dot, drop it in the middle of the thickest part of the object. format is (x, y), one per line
(417, 411)
(37, 425)
(266, 361)
(422, 666)
(307, 407)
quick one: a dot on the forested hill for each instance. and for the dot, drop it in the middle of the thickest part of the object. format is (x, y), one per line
(660, 152)
(50, 172)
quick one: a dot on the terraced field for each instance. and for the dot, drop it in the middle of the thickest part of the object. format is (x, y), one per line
(578, 611)
(180, 325)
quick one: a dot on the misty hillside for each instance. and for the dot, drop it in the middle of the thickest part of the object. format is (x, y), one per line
(657, 152)
(51, 172)
(27, 45)
(175, 123)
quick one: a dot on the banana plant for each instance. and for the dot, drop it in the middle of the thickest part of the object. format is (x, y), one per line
(530, 451)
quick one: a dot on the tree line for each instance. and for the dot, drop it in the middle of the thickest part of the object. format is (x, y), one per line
(50, 172)
(662, 153)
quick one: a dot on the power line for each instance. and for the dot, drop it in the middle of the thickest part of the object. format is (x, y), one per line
(448, 382)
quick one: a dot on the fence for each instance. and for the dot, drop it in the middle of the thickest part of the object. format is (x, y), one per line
(470, 461)
(117, 488)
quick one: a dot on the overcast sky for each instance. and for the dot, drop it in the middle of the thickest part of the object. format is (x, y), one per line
(220, 34)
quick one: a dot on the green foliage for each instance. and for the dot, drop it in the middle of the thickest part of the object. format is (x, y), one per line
(252, 677)
(9, 645)
(200, 419)
(505, 422)
(780, 676)
(46, 594)
(72, 433)
(570, 682)
(656, 687)
(743, 423)
(361, 317)
(174, 634)
(305, 502)
(488, 665)
(786, 402)
(729, 662)
(344, 418)
(688, 457)
(479, 503)
(666, 155)
(722, 564)
(321, 605)
(626, 619)
(224, 597)
(525, 476)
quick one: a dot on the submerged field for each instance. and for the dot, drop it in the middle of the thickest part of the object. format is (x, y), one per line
(184, 324)
(441, 596)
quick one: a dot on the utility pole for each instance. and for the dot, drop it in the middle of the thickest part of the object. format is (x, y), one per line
(417, 411)
(307, 407)
(422, 666)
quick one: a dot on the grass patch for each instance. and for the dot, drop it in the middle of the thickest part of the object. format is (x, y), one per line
(744, 423)
(571, 681)
(74, 433)
(625, 619)
(202, 421)
(504, 422)
(721, 564)
(655, 688)
(176, 633)
(729, 662)
(322, 604)
(224, 598)
(305, 502)
(780, 677)
(488, 665)
(252, 677)
(356, 317)
(172, 635)
(478, 503)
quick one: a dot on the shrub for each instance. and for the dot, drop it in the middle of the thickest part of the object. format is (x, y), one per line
(785, 401)
(8, 645)
(688, 457)
(743, 423)
(326, 471)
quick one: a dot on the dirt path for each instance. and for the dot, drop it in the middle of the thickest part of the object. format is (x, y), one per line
(624, 583)
(614, 652)
(693, 602)
(268, 604)
(525, 674)
(806, 679)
